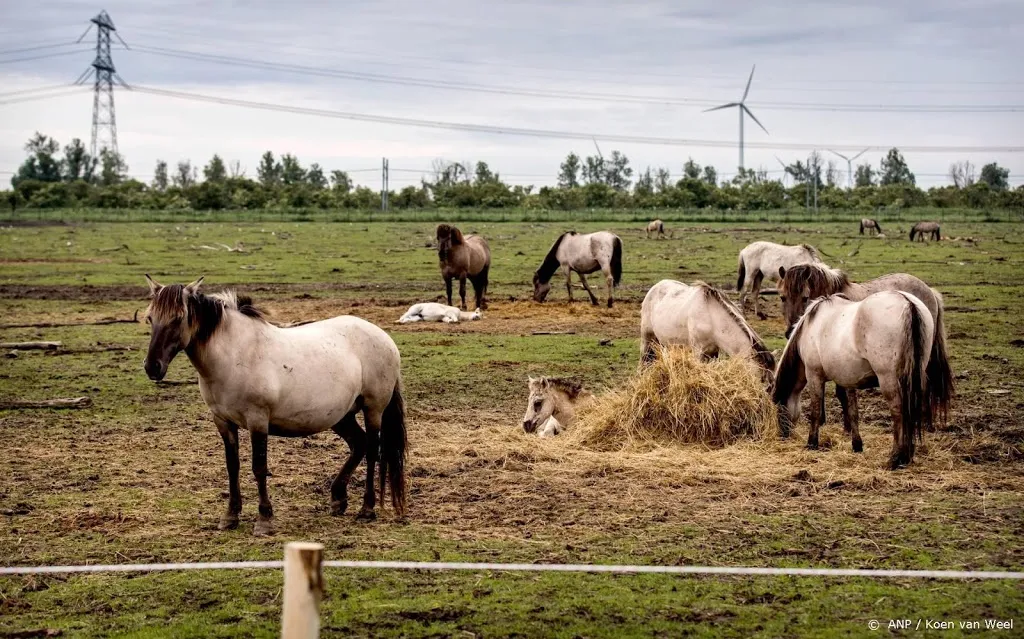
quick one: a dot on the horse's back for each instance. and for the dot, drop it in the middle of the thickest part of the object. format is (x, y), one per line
(911, 284)
(670, 309)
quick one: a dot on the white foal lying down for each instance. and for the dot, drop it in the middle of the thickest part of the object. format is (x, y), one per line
(434, 312)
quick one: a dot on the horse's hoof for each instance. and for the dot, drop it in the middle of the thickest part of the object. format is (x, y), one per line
(263, 528)
(812, 445)
(366, 514)
(610, 304)
(338, 508)
(858, 446)
(228, 522)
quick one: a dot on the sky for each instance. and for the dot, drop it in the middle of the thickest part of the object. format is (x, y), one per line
(914, 58)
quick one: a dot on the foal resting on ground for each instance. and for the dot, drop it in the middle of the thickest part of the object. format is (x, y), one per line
(699, 316)
(434, 312)
(288, 382)
(461, 257)
(582, 254)
(761, 261)
(882, 340)
(551, 406)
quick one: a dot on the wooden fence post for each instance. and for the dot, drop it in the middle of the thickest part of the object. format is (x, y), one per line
(303, 590)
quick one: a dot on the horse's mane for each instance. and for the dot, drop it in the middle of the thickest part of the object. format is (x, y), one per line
(813, 251)
(241, 303)
(550, 263)
(821, 280)
(761, 353)
(570, 387)
(447, 237)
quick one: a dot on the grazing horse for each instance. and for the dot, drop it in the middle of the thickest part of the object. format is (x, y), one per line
(925, 228)
(287, 382)
(762, 260)
(871, 225)
(806, 282)
(657, 226)
(434, 312)
(582, 254)
(551, 405)
(881, 341)
(462, 257)
(699, 316)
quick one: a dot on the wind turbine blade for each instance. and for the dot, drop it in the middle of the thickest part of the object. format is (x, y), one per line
(724, 106)
(784, 165)
(841, 155)
(747, 90)
(598, 150)
(745, 109)
(858, 155)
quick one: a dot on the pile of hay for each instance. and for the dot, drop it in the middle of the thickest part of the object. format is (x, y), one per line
(679, 399)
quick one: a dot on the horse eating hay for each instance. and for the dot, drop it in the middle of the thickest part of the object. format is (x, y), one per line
(698, 316)
(882, 340)
(761, 261)
(287, 382)
(551, 406)
(870, 225)
(434, 312)
(463, 257)
(582, 254)
(925, 228)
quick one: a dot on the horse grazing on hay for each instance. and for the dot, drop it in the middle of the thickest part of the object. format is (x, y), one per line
(699, 316)
(656, 226)
(761, 261)
(881, 341)
(287, 382)
(925, 228)
(871, 226)
(463, 257)
(582, 254)
(805, 282)
(551, 406)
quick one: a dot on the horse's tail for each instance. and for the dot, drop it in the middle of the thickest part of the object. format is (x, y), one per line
(616, 260)
(912, 229)
(862, 227)
(878, 227)
(742, 275)
(393, 445)
(940, 376)
(915, 409)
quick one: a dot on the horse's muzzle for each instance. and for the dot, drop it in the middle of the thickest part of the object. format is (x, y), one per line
(529, 426)
(789, 331)
(154, 369)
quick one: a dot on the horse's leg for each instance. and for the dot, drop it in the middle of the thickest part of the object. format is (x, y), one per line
(349, 430)
(229, 433)
(586, 287)
(611, 287)
(816, 392)
(372, 420)
(755, 289)
(568, 283)
(851, 418)
(264, 523)
(448, 289)
(462, 291)
(901, 450)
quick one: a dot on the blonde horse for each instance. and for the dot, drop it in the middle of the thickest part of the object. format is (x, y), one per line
(699, 316)
(551, 405)
(921, 229)
(870, 225)
(434, 312)
(287, 382)
(656, 226)
(582, 254)
(760, 261)
(881, 341)
(463, 257)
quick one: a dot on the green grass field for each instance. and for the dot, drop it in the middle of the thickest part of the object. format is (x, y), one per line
(139, 476)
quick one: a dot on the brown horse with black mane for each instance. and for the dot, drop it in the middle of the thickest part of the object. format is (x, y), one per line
(463, 257)
(921, 229)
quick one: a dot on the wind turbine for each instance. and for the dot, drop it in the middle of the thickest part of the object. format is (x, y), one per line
(742, 109)
(785, 170)
(849, 165)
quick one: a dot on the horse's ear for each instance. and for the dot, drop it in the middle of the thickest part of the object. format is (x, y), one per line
(782, 272)
(154, 287)
(194, 286)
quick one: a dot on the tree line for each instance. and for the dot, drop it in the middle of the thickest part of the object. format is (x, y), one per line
(51, 177)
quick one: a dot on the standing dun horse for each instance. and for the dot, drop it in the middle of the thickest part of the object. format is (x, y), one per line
(286, 382)
(761, 261)
(921, 229)
(551, 406)
(804, 283)
(881, 341)
(872, 226)
(656, 226)
(463, 257)
(582, 254)
(699, 316)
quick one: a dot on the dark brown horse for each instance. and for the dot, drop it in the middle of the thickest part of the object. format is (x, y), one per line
(463, 257)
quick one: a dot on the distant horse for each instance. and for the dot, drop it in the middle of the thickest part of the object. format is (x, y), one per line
(881, 341)
(871, 225)
(551, 406)
(287, 382)
(925, 228)
(657, 226)
(463, 257)
(806, 282)
(582, 254)
(762, 260)
(699, 316)
(434, 312)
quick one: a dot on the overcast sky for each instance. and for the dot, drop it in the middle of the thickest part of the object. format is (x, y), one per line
(892, 52)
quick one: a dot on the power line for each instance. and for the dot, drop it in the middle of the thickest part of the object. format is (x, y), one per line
(44, 55)
(572, 95)
(31, 98)
(545, 133)
(38, 47)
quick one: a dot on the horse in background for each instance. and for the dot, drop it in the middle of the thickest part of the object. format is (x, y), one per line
(286, 382)
(656, 226)
(829, 344)
(870, 225)
(925, 228)
(701, 317)
(760, 261)
(551, 405)
(583, 254)
(463, 257)
(434, 312)
(804, 283)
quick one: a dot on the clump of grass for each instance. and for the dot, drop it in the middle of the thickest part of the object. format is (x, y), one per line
(680, 399)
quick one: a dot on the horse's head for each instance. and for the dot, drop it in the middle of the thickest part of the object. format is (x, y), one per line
(171, 327)
(540, 405)
(765, 360)
(447, 237)
(477, 314)
(794, 293)
(540, 289)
